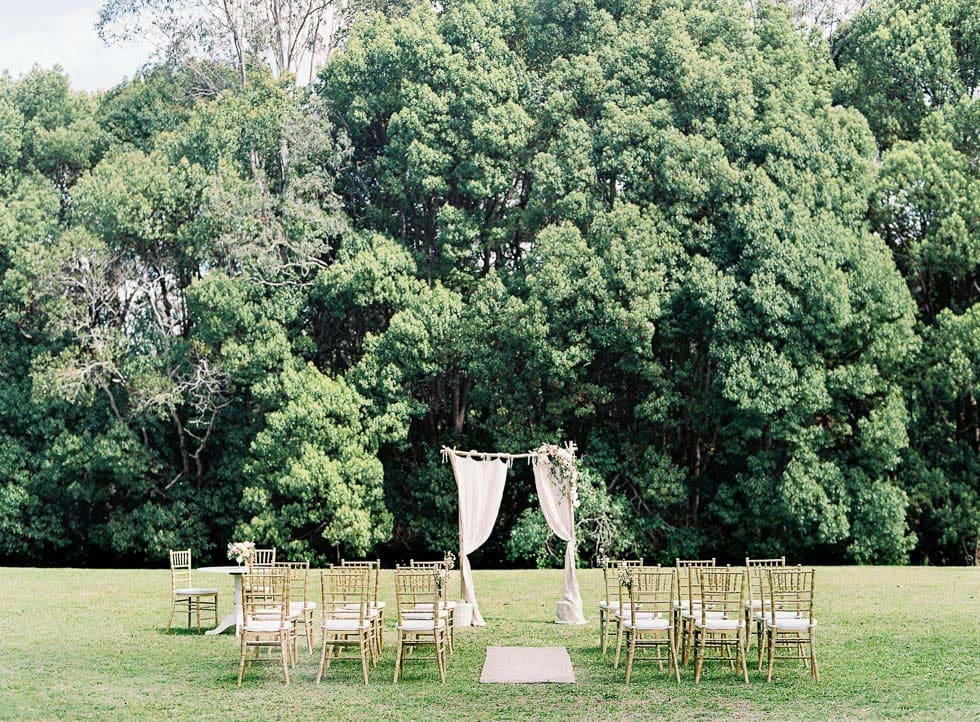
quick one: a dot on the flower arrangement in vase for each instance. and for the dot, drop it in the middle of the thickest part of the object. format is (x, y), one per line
(241, 551)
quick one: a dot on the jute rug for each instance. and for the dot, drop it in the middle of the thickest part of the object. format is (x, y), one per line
(527, 665)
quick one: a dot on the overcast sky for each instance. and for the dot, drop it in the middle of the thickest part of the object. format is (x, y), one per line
(49, 32)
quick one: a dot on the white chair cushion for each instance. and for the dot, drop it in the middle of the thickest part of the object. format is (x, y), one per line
(719, 624)
(266, 626)
(650, 623)
(625, 614)
(696, 614)
(194, 592)
(344, 625)
(297, 607)
(760, 617)
(423, 614)
(753, 604)
(794, 624)
(421, 625)
(442, 605)
(379, 605)
(608, 605)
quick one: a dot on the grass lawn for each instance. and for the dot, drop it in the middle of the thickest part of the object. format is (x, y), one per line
(893, 643)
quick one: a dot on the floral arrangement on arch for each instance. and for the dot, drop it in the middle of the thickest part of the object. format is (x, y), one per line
(564, 468)
(241, 551)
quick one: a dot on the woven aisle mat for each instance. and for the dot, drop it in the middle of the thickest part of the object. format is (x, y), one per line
(527, 665)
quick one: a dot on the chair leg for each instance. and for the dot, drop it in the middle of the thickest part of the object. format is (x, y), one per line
(698, 642)
(813, 657)
(759, 626)
(630, 656)
(740, 654)
(398, 655)
(771, 649)
(443, 644)
(365, 641)
(173, 608)
(241, 661)
(619, 642)
(602, 630)
(323, 660)
(284, 650)
(672, 641)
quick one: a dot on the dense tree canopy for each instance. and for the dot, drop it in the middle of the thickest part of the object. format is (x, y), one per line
(718, 252)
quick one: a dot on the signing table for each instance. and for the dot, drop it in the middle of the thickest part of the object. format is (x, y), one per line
(235, 618)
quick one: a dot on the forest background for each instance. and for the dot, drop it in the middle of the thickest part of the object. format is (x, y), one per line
(730, 250)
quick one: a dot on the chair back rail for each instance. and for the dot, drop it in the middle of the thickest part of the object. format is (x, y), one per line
(789, 591)
(180, 569)
(755, 569)
(722, 592)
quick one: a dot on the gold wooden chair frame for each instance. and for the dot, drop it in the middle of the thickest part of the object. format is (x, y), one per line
(609, 605)
(755, 570)
(444, 603)
(650, 619)
(265, 611)
(377, 605)
(421, 622)
(790, 624)
(184, 594)
(687, 602)
(301, 609)
(720, 618)
(347, 616)
(262, 558)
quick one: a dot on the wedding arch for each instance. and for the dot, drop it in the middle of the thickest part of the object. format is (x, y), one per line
(480, 479)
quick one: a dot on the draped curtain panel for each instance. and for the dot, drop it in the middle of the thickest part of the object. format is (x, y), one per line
(481, 488)
(556, 504)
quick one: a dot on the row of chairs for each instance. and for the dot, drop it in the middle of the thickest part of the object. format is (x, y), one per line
(276, 610)
(352, 615)
(697, 606)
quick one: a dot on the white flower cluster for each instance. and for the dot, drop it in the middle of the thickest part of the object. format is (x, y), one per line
(241, 551)
(564, 467)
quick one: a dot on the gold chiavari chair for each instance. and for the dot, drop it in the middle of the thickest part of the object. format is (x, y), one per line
(265, 611)
(377, 605)
(609, 605)
(417, 629)
(301, 608)
(445, 603)
(755, 570)
(687, 601)
(185, 595)
(790, 624)
(262, 558)
(720, 619)
(347, 616)
(651, 615)
(623, 610)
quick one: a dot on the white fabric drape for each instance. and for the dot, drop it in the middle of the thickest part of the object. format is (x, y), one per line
(556, 504)
(481, 488)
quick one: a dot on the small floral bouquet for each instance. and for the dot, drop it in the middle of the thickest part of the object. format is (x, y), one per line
(450, 560)
(625, 577)
(442, 574)
(241, 551)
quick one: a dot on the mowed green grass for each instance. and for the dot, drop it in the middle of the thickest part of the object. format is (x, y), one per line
(893, 643)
